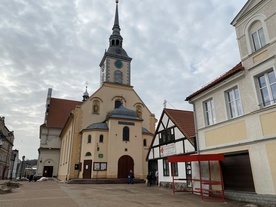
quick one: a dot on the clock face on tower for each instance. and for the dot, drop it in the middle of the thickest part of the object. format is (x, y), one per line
(118, 64)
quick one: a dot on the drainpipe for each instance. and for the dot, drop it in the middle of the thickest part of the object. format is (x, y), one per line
(196, 134)
(71, 138)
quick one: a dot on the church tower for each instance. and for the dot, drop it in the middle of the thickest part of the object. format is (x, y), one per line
(110, 132)
(115, 64)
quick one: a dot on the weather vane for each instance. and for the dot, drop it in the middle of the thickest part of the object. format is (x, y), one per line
(117, 1)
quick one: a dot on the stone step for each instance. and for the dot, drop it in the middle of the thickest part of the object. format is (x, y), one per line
(104, 181)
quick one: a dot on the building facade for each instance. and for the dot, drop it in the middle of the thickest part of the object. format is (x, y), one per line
(6, 144)
(236, 113)
(174, 135)
(56, 114)
(109, 134)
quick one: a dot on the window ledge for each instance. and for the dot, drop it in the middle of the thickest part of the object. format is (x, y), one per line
(259, 51)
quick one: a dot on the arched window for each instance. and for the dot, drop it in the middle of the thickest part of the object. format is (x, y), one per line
(256, 33)
(101, 138)
(89, 139)
(118, 76)
(125, 133)
(88, 154)
(118, 103)
(145, 142)
(257, 36)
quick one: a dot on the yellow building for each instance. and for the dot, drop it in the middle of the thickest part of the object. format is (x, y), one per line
(110, 132)
(236, 113)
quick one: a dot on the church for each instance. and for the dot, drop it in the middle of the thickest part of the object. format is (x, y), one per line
(109, 133)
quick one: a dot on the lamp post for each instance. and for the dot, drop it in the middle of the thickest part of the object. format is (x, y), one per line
(23, 158)
(2, 142)
(12, 159)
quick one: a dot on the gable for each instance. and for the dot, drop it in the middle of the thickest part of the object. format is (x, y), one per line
(175, 134)
(247, 8)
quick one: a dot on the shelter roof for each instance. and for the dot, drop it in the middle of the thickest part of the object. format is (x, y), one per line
(196, 157)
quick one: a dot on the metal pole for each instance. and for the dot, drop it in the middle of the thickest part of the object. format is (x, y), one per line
(23, 157)
(12, 159)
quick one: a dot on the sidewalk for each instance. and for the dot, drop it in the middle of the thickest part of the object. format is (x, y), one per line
(54, 194)
(37, 194)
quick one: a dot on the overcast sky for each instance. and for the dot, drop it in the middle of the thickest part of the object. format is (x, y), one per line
(177, 47)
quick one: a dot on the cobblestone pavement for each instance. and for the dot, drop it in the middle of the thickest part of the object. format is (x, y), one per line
(54, 194)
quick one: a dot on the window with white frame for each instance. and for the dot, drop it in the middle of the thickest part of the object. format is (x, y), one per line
(209, 112)
(258, 39)
(234, 106)
(257, 35)
(267, 88)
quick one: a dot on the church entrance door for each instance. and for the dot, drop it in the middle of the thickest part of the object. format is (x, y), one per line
(125, 164)
(87, 165)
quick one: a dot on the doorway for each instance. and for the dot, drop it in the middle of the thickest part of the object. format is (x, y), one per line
(237, 173)
(87, 166)
(48, 171)
(125, 164)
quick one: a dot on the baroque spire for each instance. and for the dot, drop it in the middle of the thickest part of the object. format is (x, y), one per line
(116, 38)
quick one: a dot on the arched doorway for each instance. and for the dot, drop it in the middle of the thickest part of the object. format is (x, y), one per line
(125, 164)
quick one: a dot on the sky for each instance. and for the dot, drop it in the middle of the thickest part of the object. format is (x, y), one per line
(177, 47)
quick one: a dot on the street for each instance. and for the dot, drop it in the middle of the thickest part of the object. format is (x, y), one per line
(54, 194)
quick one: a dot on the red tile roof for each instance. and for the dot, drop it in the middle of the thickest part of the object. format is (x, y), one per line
(223, 77)
(184, 120)
(59, 111)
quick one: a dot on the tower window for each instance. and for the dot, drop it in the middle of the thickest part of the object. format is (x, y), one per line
(101, 138)
(89, 139)
(145, 142)
(125, 133)
(118, 103)
(118, 76)
(117, 42)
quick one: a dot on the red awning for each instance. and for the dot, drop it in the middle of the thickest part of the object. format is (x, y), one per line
(196, 157)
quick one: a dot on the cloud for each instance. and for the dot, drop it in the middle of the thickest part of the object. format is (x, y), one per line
(177, 47)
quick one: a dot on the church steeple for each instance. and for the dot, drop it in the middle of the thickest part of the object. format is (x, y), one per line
(116, 38)
(115, 64)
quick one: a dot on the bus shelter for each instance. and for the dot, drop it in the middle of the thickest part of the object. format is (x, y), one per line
(207, 179)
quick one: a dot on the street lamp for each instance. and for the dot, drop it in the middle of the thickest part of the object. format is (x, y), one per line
(12, 159)
(23, 158)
